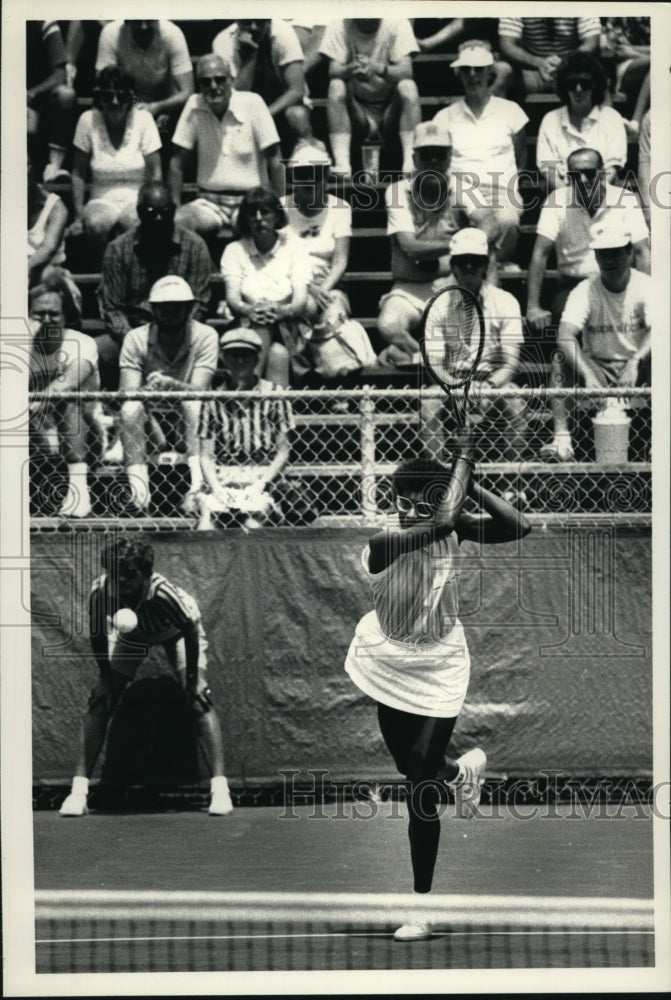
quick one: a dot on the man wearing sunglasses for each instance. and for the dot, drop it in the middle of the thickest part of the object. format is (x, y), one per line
(236, 145)
(564, 224)
(137, 259)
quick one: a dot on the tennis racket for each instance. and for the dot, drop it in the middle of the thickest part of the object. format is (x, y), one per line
(452, 340)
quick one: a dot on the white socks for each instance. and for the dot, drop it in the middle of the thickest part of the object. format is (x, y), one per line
(340, 144)
(196, 473)
(138, 480)
(406, 146)
(219, 782)
(77, 502)
(80, 786)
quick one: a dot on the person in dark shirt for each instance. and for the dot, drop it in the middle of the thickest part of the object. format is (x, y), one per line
(52, 104)
(135, 260)
(164, 615)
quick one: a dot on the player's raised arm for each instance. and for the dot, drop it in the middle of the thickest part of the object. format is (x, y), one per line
(501, 522)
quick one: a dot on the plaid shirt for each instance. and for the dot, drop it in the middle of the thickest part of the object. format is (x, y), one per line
(129, 271)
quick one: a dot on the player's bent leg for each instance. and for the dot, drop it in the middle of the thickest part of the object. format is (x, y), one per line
(206, 721)
(467, 783)
(103, 700)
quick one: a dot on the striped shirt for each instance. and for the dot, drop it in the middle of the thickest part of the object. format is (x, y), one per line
(546, 36)
(246, 431)
(162, 612)
(416, 597)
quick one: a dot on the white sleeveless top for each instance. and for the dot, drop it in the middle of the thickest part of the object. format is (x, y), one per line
(410, 652)
(36, 233)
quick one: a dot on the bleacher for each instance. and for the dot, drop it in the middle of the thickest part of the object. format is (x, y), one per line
(367, 279)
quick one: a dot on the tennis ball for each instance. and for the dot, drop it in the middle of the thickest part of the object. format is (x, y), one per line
(124, 620)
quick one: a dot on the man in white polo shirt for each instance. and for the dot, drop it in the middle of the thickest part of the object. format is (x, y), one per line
(565, 221)
(237, 148)
(265, 56)
(604, 332)
(174, 351)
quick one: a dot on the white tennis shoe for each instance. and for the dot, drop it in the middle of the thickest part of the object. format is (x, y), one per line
(468, 783)
(220, 803)
(413, 932)
(74, 805)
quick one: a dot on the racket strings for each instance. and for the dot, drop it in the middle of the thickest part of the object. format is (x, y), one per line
(452, 337)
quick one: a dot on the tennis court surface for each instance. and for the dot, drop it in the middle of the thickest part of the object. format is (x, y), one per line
(183, 891)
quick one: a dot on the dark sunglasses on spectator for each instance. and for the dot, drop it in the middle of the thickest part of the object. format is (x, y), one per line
(590, 174)
(585, 82)
(107, 96)
(156, 211)
(207, 81)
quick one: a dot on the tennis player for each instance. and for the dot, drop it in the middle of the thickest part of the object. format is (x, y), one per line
(166, 616)
(410, 653)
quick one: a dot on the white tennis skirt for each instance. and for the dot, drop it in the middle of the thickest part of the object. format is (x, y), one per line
(430, 679)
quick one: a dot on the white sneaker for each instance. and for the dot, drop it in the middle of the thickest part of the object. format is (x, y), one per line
(76, 504)
(468, 785)
(220, 803)
(114, 454)
(74, 805)
(413, 932)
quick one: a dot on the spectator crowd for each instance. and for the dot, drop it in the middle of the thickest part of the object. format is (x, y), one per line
(215, 206)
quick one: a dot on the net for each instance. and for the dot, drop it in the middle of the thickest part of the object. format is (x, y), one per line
(99, 931)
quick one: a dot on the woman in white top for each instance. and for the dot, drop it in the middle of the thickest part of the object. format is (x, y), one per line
(583, 121)
(410, 654)
(266, 274)
(488, 145)
(338, 345)
(118, 145)
(47, 219)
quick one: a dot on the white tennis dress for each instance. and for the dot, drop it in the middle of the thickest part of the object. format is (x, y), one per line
(410, 652)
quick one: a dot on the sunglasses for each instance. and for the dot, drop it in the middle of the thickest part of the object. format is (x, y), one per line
(107, 96)
(587, 175)
(585, 82)
(422, 509)
(207, 81)
(155, 212)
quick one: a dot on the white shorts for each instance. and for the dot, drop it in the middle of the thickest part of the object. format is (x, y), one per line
(430, 679)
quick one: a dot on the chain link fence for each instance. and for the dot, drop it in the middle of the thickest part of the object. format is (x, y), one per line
(344, 446)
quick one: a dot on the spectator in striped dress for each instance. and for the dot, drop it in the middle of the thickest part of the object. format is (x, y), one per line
(534, 47)
(245, 444)
(165, 616)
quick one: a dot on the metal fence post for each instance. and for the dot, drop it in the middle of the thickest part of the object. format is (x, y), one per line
(367, 437)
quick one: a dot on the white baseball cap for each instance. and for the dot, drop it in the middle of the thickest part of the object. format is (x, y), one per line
(469, 241)
(430, 134)
(309, 156)
(171, 288)
(241, 337)
(476, 52)
(609, 235)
